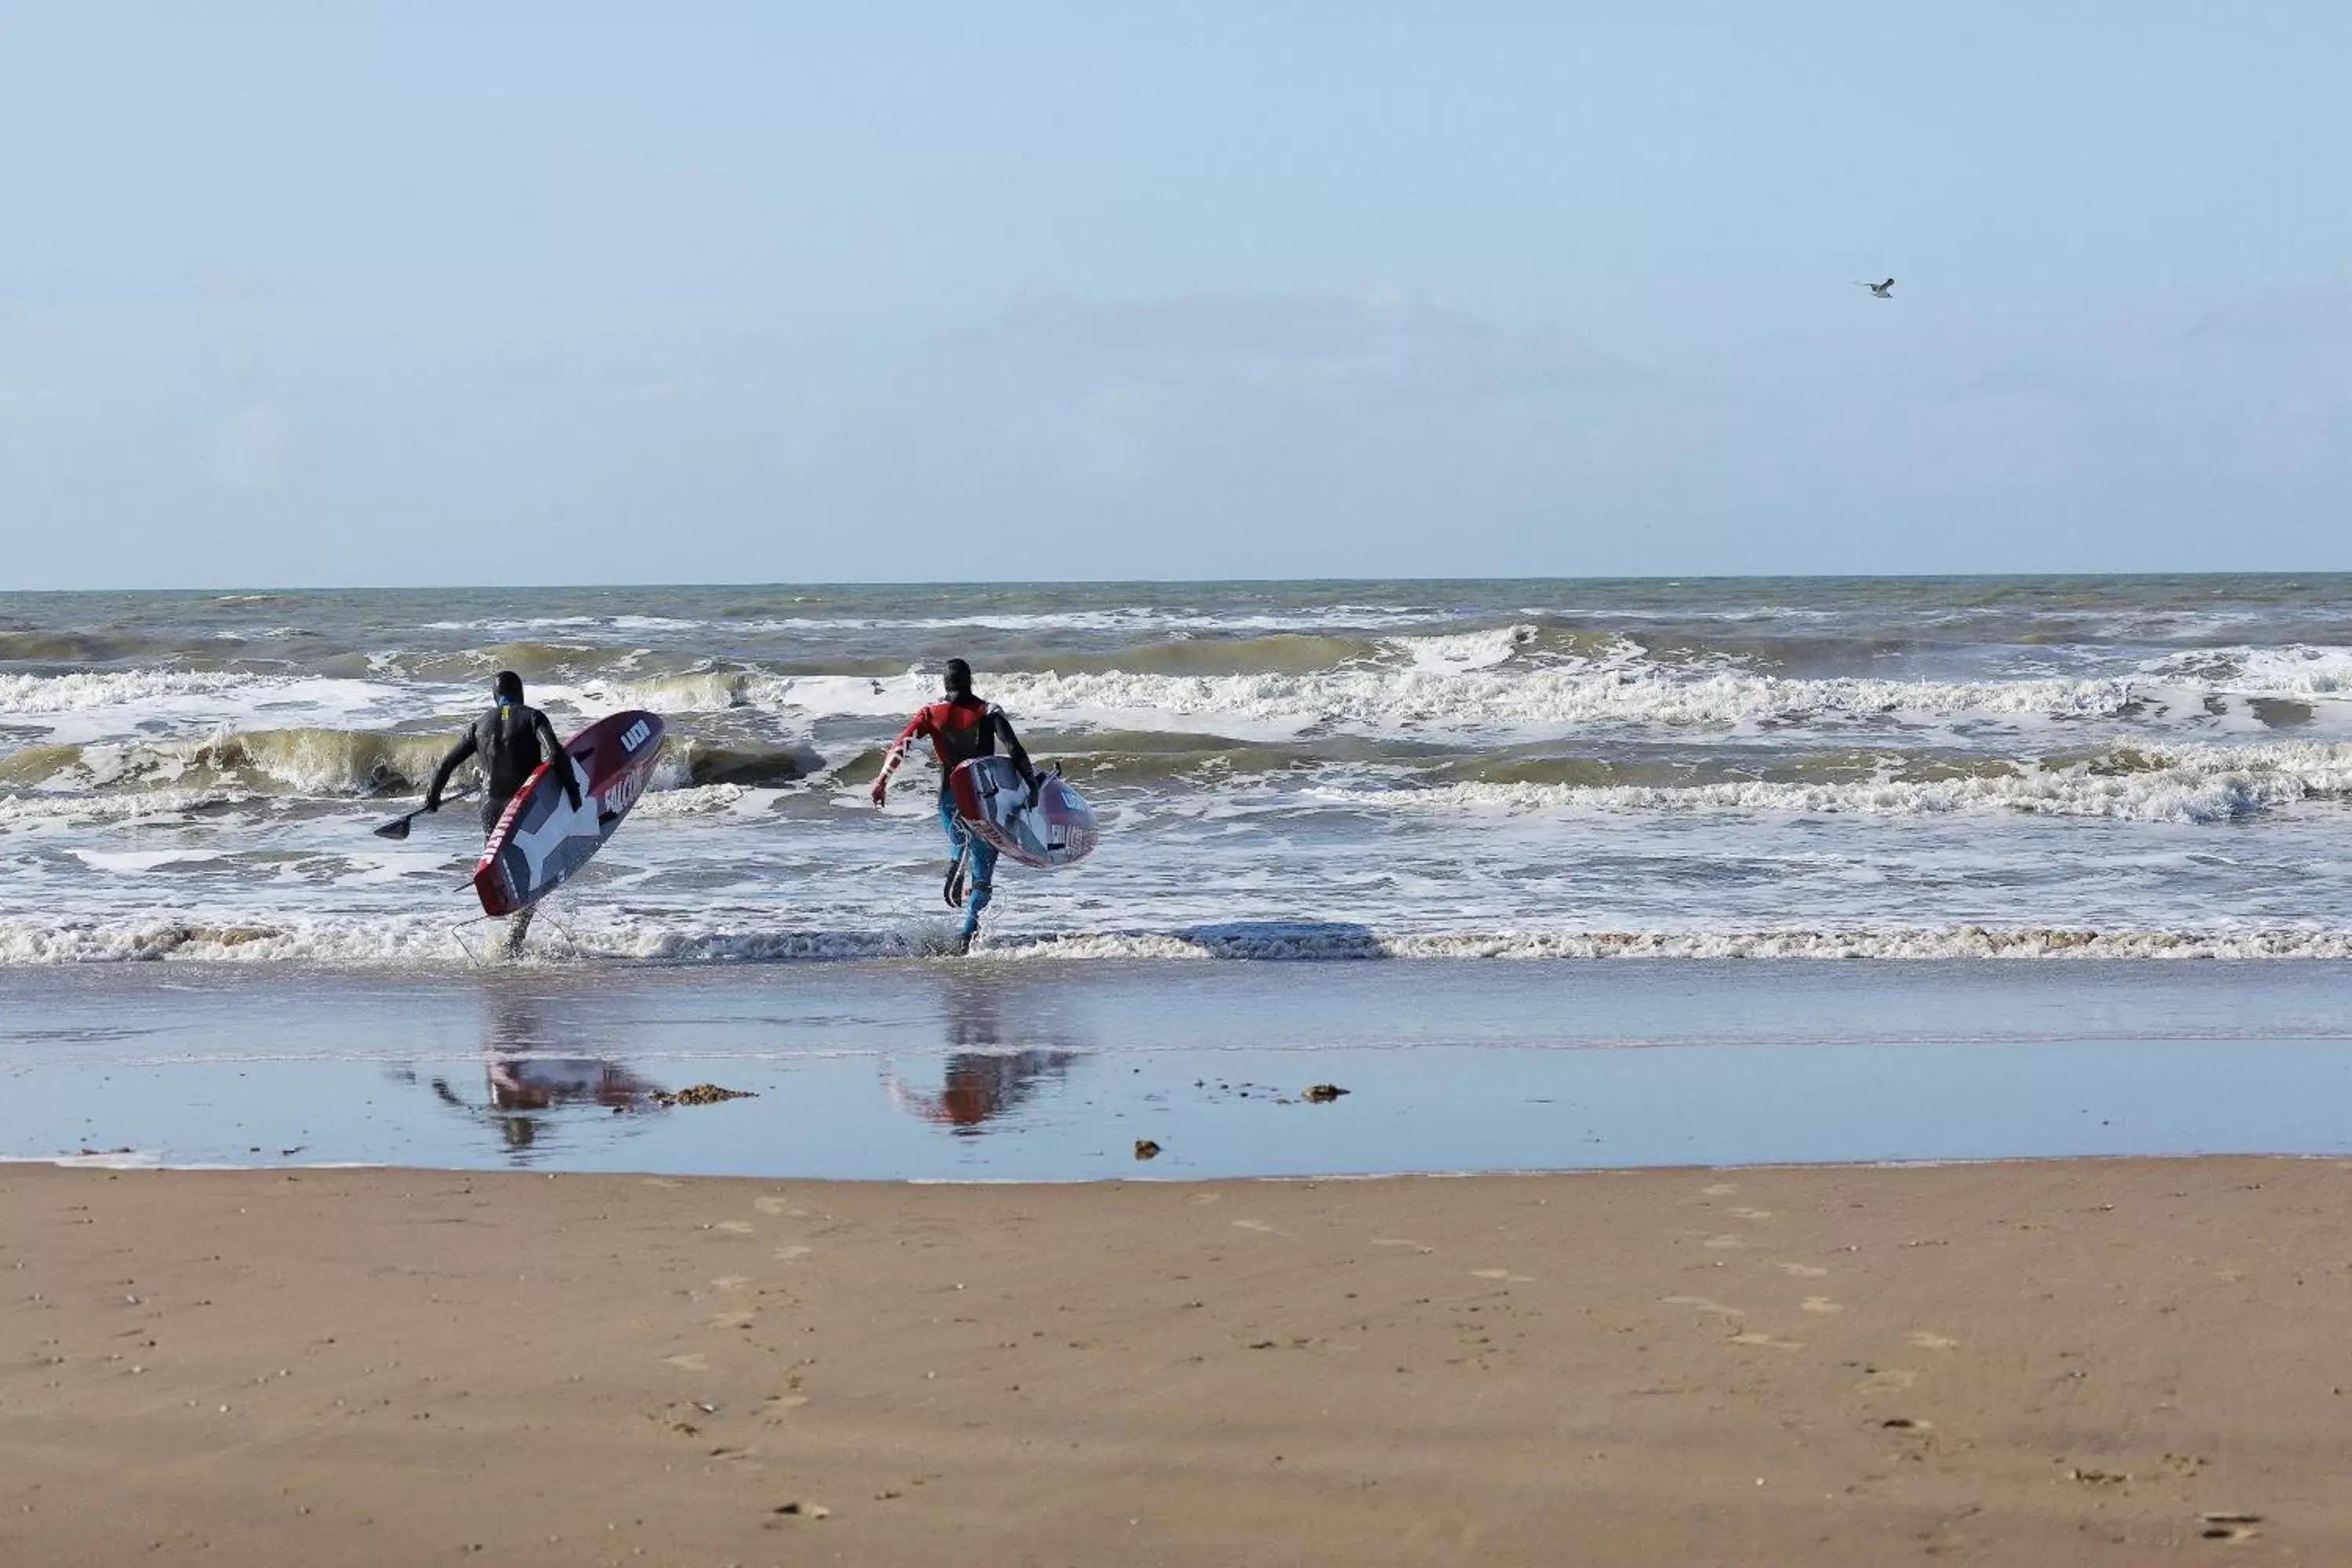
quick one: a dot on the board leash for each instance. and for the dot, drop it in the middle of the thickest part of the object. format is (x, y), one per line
(562, 930)
(457, 934)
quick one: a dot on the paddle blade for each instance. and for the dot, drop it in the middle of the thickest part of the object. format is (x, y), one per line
(397, 828)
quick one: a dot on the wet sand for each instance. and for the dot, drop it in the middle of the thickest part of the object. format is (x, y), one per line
(1037, 1071)
(2045, 1363)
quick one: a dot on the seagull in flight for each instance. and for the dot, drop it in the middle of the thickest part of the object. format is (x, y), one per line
(1882, 290)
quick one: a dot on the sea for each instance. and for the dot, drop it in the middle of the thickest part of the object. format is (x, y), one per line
(1770, 769)
(2082, 849)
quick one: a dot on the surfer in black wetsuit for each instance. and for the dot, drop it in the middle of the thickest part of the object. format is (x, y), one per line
(960, 727)
(510, 741)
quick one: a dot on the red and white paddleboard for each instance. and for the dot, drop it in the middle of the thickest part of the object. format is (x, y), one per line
(1060, 830)
(541, 840)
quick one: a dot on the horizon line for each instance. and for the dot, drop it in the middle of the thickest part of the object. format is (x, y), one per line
(937, 584)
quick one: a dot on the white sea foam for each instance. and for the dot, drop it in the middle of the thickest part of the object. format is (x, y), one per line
(512, 626)
(848, 696)
(2296, 671)
(1459, 653)
(2193, 784)
(83, 691)
(140, 706)
(1532, 701)
(74, 809)
(1134, 619)
(421, 942)
(703, 800)
(325, 939)
(1469, 684)
(1859, 942)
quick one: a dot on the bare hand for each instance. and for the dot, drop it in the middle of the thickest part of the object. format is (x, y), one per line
(881, 791)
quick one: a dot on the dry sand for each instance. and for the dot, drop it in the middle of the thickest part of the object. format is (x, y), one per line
(2039, 1363)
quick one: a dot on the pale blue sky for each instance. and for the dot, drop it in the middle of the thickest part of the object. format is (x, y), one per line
(343, 293)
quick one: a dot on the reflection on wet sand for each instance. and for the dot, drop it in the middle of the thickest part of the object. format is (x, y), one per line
(981, 1086)
(982, 1081)
(525, 1085)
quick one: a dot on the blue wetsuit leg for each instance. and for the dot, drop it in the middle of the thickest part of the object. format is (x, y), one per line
(979, 856)
(983, 876)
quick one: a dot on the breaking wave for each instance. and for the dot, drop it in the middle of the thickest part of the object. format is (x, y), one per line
(432, 943)
(331, 763)
(72, 693)
(1546, 699)
(303, 760)
(2187, 785)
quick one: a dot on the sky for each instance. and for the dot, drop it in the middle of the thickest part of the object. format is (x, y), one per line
(439, 293)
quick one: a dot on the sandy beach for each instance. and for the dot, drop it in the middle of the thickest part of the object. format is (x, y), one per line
(2078, 1361)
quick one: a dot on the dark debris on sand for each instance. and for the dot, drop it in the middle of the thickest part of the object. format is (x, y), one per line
(702, 1094)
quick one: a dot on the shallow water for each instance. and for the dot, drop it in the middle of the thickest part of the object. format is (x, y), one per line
(1053, 1072)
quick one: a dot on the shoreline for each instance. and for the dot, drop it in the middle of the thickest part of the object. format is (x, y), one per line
(128, 1161)
(1014, 1073)
(2069, 1360)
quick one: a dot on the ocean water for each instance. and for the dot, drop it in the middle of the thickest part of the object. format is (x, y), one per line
(1891, 768)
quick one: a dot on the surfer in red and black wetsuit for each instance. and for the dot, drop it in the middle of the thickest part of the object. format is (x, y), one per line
(960, 727)
(511, 741)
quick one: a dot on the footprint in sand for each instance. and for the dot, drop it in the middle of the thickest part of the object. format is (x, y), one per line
(1929, 1341)
(778, 1206)
(2232, 1525)
(1800, 1270)
(793, 1253)
(1500, 1274)
(731, 1320)
(1704, 1305)
(1753, 1338)
(729, 1282)
(1259, 1225)
(1888, 1379)
(1724, 1243)
(1201, 1200)
(692, 1361)
(734, 1226)
(1400, 1241)
(1720, 1190)
(1822, 1304)
(658, 1182)
(1749, 1213)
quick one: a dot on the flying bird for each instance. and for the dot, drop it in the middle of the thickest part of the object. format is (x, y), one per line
(1882, 290)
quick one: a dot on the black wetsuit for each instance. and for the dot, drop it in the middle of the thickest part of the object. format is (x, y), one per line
(511, 741)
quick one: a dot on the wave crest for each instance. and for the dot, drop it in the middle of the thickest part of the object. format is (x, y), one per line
(2186, 785)
(430, 942)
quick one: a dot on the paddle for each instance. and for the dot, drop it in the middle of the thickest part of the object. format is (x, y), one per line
(398, 826)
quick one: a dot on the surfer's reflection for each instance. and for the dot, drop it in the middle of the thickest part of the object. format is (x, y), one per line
(980, 1081)
(526, 1083)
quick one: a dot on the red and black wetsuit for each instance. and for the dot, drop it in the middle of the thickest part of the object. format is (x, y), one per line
(959, 729)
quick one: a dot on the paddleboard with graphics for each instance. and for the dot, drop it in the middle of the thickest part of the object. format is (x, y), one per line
(542, 840)
(1060, 830)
